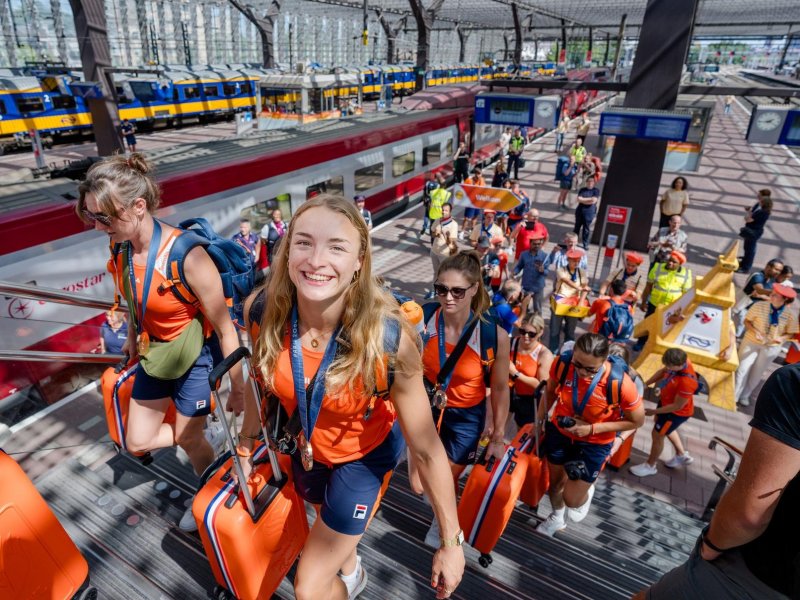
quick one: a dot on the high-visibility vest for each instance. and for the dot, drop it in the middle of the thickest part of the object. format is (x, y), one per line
(438, 197)
(517, 144)
(668, 286)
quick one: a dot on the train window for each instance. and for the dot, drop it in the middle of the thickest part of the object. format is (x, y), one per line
(229, 89)
(369, 177)
(210, 90)
(3, 109)
(29, 105)
(403, 164)
(63, 101)
(260, 213)
(191, 91)
(431, 154)
(334, 185)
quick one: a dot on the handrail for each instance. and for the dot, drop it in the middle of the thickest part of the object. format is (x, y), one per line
(34, 292)
(67, 357)
(726, 476)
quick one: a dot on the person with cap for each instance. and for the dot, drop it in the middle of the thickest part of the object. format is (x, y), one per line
(488, 228)
(558, 255)
(471, 214)
(572, 287)
(767, 326)
(629, 274)
(532, 266)
(490, 262)
(515, 147)
(529, 229)
(666, 282)
(668, 239)
(586, 211)
(360, 200)
(499, 244)
(757, 288)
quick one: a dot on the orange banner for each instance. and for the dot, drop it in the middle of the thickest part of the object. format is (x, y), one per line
(475, 196)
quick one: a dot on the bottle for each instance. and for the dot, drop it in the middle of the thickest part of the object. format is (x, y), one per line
(480, 453)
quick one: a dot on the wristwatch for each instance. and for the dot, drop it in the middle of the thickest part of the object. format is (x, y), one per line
(458, 540)
(515, 376)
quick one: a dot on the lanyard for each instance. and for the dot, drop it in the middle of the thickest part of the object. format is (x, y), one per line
(775, 315)
(443, 348)
(577, 409)
(139, 308)
(573, 275)
(309, 412)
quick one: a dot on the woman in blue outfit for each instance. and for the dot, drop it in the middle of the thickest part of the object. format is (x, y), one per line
(755, 219)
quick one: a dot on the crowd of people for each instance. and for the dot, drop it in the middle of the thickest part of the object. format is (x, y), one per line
(468, 384)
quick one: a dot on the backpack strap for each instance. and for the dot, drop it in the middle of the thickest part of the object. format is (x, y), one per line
(563, 362)
(488, 333)
(176, 282)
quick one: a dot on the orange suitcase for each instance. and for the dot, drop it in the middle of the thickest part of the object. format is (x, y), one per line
(38, 560)
(252, 534)
(117, 389)
(537, 475)
(489, 499)
(623, 455)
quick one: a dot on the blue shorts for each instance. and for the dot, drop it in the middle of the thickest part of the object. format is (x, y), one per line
(666, 423)
(461, 431)
(348, 492)
(472, 213)
(190, 392)
(560, 449)
(565, 185)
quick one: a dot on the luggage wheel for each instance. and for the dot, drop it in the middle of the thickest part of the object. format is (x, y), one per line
(485, 560)
(89, 593)
(117, 448)
(220, 593)
(146, 459)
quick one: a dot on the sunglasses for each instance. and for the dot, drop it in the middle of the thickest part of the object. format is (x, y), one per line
(101, 218)
(458, 293)
(588, 370)
(528, 334)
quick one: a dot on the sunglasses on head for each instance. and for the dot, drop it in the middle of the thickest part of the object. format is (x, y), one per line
(588, 370)
(528, 333)
(101, 218)
(457, 292)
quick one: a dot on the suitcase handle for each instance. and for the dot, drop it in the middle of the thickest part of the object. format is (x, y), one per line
(241, 354)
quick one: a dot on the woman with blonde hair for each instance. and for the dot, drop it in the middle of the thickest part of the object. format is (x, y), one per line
(460, 400)
(176, 343)
(320, 327)
(530, 365)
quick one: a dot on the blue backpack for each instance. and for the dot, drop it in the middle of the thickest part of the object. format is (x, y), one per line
(231, 259)
(619, 368)
(618, 324)
(488, 334)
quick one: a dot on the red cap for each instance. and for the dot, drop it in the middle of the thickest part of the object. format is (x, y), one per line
(574, 253)
(634, 257)
(679, 256)
(497, 239)
(784, 290)
(489, 211)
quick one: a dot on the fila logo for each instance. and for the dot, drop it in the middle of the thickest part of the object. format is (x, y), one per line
(360, 512)
(201, 404)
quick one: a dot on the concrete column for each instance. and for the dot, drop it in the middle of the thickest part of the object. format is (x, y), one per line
(517, 36)
(144, 34)
(58, 30)
(9, 33)
(634, 173)
(618, 51)
(424, 18)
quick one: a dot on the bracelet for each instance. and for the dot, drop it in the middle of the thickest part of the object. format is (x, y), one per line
(248, 437)
(591, 429)
(243, 452)
(709, 543)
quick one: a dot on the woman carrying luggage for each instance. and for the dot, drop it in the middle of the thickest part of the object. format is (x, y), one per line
(463, 311)
(320, 350)
(119, 197)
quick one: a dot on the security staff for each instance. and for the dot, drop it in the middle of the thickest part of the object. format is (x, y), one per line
(438, 197)
(515, 148)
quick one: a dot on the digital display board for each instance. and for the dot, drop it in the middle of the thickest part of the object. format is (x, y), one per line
(517, 110)
(791, 129)
(666, 129)
(619, 125)
(654, 125)
(510, 112)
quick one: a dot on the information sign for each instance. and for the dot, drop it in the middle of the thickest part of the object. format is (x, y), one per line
(651, 125)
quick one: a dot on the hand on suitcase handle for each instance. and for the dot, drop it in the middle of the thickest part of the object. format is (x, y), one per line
(126, 358)
(230, 361)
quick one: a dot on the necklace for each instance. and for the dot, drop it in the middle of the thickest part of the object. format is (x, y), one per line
(315, 341)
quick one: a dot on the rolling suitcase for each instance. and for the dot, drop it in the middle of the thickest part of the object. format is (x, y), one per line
(561, 164)
(537, 475)
(488, 500)
(117, 388)
(252, 534)
(618, 460)
(38, 560)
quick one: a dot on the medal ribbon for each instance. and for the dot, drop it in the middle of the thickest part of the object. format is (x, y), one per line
(577, 408)
(443, 347)
(309, 411)
(139, 308)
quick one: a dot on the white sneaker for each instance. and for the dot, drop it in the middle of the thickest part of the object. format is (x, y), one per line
(432, 538)
(744, 401)
(215, 435)
(356, 581)
(679, 460)
(187, 522)
(576, 515)
(551, 524)
(644, 470)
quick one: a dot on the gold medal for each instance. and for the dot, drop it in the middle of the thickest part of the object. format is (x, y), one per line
(142, 343)
(306, 452)
(440, 399)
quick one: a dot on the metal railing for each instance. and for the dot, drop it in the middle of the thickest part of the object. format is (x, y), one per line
(63, 357)
(726, 476)
(34, 292)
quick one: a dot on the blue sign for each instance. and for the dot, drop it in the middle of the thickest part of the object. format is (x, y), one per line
(790, 135)
(672, 127)
(505, 110)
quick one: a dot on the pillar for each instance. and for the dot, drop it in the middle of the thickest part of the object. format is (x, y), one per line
(618, 51)
(424, 18)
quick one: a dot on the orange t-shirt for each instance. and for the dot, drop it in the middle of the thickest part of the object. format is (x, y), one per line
(165, 316)
(341, 433)
(467, 387)
(598, 409)
(600, 309)
(527, 364)
(502, 255)
(677, 385)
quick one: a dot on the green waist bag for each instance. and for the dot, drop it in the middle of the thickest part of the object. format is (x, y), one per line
(171, 360)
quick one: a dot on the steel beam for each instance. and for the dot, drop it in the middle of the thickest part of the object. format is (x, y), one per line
(265, 26)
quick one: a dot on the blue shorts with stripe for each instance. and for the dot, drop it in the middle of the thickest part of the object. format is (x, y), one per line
(472, 213)
(461, 431)
(560, 449)
(666, 423)
(190, 392)
(348, 492)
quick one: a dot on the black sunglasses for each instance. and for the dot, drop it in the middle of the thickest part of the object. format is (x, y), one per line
(528, 334)
(458, 293)
(101, 218)
(589, 370)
